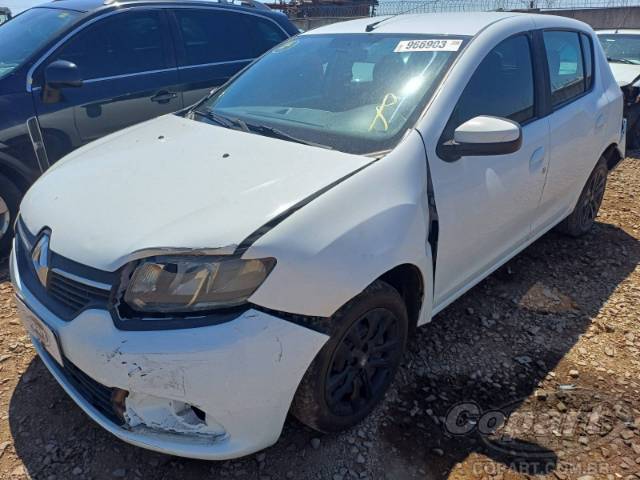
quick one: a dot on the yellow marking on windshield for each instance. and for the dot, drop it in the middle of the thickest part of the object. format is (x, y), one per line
(389, 100)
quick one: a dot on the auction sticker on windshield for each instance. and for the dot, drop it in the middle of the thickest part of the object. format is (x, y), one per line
(428, 45)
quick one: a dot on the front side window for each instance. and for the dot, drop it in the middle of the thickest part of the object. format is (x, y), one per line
(621, 48)
(125, 43)
(501, 86)
(566, 69)
(24, 35)
(357, 93)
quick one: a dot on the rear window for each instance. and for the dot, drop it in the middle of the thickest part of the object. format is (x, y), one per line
(215, 36)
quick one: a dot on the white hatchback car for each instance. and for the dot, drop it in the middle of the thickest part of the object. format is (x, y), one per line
(190, 280)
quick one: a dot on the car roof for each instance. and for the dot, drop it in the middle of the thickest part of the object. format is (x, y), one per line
(92, 5)
(457, 23)
(621, 31)
(447, 23)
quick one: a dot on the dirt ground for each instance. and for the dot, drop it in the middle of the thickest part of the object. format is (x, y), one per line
(532, 374)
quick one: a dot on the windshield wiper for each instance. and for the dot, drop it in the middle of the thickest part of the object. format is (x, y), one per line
(237, 124)
(626, 61)
(227, 122)
(275, 133)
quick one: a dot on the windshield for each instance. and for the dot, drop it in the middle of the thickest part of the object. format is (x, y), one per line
(25, 34)
(357, 93)
(621, 48)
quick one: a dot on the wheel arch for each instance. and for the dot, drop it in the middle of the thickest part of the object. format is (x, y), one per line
(11, 168)
(408, 280)
(612, 155)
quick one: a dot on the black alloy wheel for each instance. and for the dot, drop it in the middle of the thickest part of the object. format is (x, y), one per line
(356, 366)
(363, 362)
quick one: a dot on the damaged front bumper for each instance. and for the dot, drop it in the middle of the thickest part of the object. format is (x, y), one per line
(212, 393)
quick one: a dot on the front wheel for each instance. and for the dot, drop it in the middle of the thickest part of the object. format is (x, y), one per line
(584, 214)
(9, 203)
(354, 369)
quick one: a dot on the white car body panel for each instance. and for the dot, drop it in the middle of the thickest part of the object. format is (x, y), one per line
(383, 227)
(257, 361)
(625, 74)
(343, 221)
(187, 181)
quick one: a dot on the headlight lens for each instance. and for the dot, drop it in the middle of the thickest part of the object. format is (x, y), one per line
(194, 284)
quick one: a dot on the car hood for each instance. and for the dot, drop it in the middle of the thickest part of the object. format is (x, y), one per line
(174, 183)
(625, 74)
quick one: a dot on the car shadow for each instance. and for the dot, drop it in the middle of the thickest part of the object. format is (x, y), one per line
(493, 348)
(492, 351)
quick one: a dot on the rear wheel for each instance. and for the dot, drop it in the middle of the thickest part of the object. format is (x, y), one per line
(584, 215)
(354, 369)
(9, 203)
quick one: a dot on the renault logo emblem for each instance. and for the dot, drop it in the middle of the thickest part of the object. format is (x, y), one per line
(40, 257)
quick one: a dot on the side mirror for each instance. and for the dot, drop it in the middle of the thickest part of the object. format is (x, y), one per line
(62, 74)
(483, 136)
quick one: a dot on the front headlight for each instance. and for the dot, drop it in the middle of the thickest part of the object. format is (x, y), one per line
(181, 284)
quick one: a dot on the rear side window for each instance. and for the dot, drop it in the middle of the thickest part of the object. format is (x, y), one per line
(566, 68)
(126, 43)
(266, 34)
(212, 36)
(588, 59)
(502, 86)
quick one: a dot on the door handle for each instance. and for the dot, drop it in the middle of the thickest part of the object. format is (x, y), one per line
(600, 121)
(537, 160)
(164, 97)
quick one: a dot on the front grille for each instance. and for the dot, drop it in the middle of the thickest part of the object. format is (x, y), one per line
(75, 295)
(93, 392)
(63, 295)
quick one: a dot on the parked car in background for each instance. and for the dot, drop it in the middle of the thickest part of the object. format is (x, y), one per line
(5, 14)
(72, 71)
(276, 245)
(622, 48)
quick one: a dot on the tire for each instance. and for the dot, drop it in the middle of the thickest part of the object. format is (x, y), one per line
(354, 369)
(9, 202)
(584, 214)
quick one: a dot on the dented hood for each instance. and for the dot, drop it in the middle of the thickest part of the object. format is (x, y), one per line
(176, 183)
(625, 74)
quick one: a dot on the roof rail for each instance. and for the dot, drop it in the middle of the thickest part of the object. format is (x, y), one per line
(239, 3)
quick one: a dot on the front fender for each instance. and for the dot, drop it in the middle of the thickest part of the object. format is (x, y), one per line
(333, 248)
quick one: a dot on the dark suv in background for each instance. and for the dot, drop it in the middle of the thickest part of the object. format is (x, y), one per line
(72, 71)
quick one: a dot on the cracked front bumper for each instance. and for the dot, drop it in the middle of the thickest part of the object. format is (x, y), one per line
(242, 374)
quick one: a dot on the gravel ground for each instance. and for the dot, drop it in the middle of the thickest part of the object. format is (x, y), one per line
(534, 372)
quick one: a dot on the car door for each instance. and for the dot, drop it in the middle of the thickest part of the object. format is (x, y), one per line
(213, 44)
(486, 204)
(577, 122)
(129, 75)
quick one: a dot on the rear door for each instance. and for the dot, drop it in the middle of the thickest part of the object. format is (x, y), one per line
(213, 44)
(129, 74)
(577, 122)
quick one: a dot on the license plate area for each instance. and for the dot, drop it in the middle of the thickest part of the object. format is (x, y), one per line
(40, 331)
